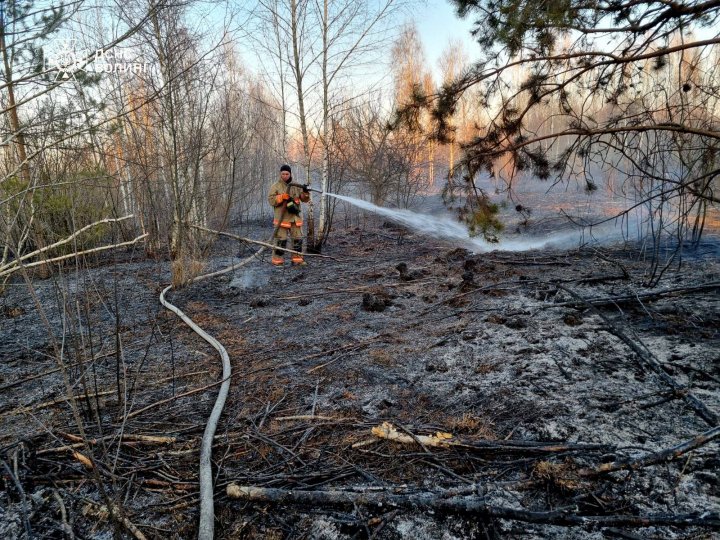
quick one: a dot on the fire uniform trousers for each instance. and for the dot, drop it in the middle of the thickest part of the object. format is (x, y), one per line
(287, 223)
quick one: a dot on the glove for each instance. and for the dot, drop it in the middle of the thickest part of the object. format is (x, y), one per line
(279, 199)
(293, 206)
(306, 188)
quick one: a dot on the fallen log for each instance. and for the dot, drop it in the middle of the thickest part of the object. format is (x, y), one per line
(467, 505)
(258, 242)
(10, 269)
(128, 437)
(125, 439)
(14, 265)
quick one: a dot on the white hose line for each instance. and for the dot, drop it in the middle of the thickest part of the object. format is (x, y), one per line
(206, 529)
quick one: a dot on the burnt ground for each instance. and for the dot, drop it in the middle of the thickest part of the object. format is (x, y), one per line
(395, 328)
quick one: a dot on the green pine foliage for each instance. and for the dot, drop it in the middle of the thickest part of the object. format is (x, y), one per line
(60, 206)
(515, 24)
(575, 91)
(34, 23)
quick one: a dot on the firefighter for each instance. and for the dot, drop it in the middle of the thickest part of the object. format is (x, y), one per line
(287, 220)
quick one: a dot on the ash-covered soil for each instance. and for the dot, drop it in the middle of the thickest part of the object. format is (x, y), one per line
(493, 349)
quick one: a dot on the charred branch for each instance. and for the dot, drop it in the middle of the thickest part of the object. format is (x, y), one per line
(472, 506)
(654, 458)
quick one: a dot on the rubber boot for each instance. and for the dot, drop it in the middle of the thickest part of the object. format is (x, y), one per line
(298, 260)
(278, 257)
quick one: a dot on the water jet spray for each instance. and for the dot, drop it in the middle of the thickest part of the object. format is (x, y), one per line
(447, 228)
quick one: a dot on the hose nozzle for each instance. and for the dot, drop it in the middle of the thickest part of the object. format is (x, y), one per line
(305, 186)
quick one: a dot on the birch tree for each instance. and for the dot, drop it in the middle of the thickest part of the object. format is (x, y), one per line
(317, 44)
(352, 33)
(188, 77)
(453, 63)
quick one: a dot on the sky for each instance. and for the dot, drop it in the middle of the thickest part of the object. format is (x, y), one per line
(438, 24)
(436, 21)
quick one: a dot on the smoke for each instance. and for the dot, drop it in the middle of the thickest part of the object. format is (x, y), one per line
(447, 228)
(251, 278)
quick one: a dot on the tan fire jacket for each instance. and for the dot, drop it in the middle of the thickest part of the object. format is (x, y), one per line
(277, 200)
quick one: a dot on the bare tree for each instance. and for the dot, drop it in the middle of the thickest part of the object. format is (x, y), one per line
(352, 32)
(412, 78)
(381, 161)
(188, 75)
(315, 45)
(249, 130)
